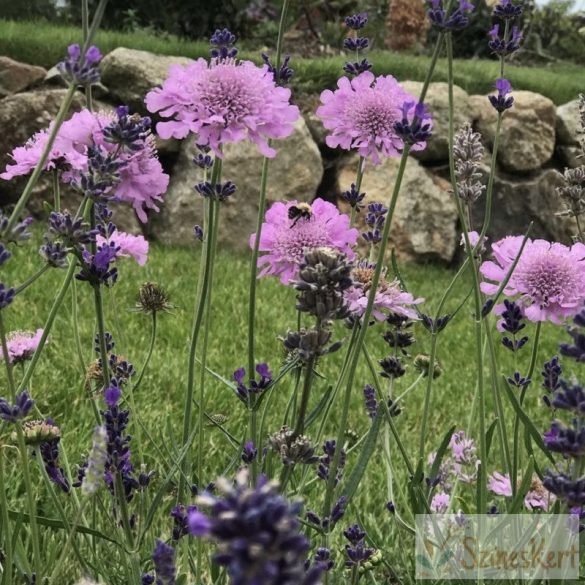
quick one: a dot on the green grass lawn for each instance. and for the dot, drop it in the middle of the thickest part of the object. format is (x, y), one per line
(58, 383)
(43, 44)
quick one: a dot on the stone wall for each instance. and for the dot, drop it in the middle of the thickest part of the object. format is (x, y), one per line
(538, 140)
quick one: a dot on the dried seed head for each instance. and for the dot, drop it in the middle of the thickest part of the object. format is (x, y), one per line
(292, 449)
(152, 299)
(217, 419)
(422, 363)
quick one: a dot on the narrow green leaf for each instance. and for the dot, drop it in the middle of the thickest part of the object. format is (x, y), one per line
(523, 489)
(368, 448)
(528, 424)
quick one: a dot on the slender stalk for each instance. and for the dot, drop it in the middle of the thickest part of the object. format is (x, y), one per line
(31, 279)
(136, 385)
(6, 358)
(477, 292)
(197, 321)
(428, 392)
(56, 191)
(32, 507)
(59, 506)
(309, 374)
(7, 545)
(533, 358)
(354, 355)
(48, 324)
(75, 325)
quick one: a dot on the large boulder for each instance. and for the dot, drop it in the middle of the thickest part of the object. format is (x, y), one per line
(568, 123)
(425, 220)
(518, 201)
(129, 74)
(527, 137)
(16, 76)
(437, 102)
(295, 173)
(568, 137)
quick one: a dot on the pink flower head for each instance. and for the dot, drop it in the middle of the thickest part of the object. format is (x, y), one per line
(549, 278)
(500, 484)
(362, 114)
(221, 102)
(440, 503)
(462, 448)
(286, 241)
(127, 245)
(537, 497)
(390, 298)
(22, 345)
(142, 180)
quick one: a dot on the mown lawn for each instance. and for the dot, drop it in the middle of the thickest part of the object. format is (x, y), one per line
(43, 44)
(58, 384)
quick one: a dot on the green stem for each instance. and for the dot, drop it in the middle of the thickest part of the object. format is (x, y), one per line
(56, 191)
(7, 545)
(254, 268)
(75, 323)
(32, 508)
(517, 457)
(477, 292)
(428, 392)
(6, 358)
(59, 506)
(49, 324)
(31, 279)
(136, 385)
(281, 32)
(354, 355)
(306, 393)
(199, 313)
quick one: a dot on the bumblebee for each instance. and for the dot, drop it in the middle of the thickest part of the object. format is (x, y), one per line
(296, 212)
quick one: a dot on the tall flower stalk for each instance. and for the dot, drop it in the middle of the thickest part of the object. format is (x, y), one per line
(355, 351)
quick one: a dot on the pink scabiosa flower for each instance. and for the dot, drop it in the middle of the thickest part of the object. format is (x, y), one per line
(223, 101)
(142, 181)
(537, 497)
(440, 503)
(22, 345)
(363, 114)
(127, 245)
(390, 298)
(500, 484)
(549, 277)
(286, 236)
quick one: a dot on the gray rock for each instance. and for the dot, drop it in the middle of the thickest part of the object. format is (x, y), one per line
(437, 102)
(129, 74)
(424, 224)
(295, 173)
(527, 137)
(16, 76)
(519, 201)
(567, 124)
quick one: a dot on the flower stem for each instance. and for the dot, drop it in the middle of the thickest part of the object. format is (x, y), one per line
(49, 324)
(6, 358)
(254, 268)
(199, 312)
(31, 279)
(7, 544)
(308, 382)
(354, 355)
(32, 508)
(477, 292)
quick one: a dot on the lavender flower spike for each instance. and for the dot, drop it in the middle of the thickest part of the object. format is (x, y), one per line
(503, 101)
(81, 69)
(94, 473)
